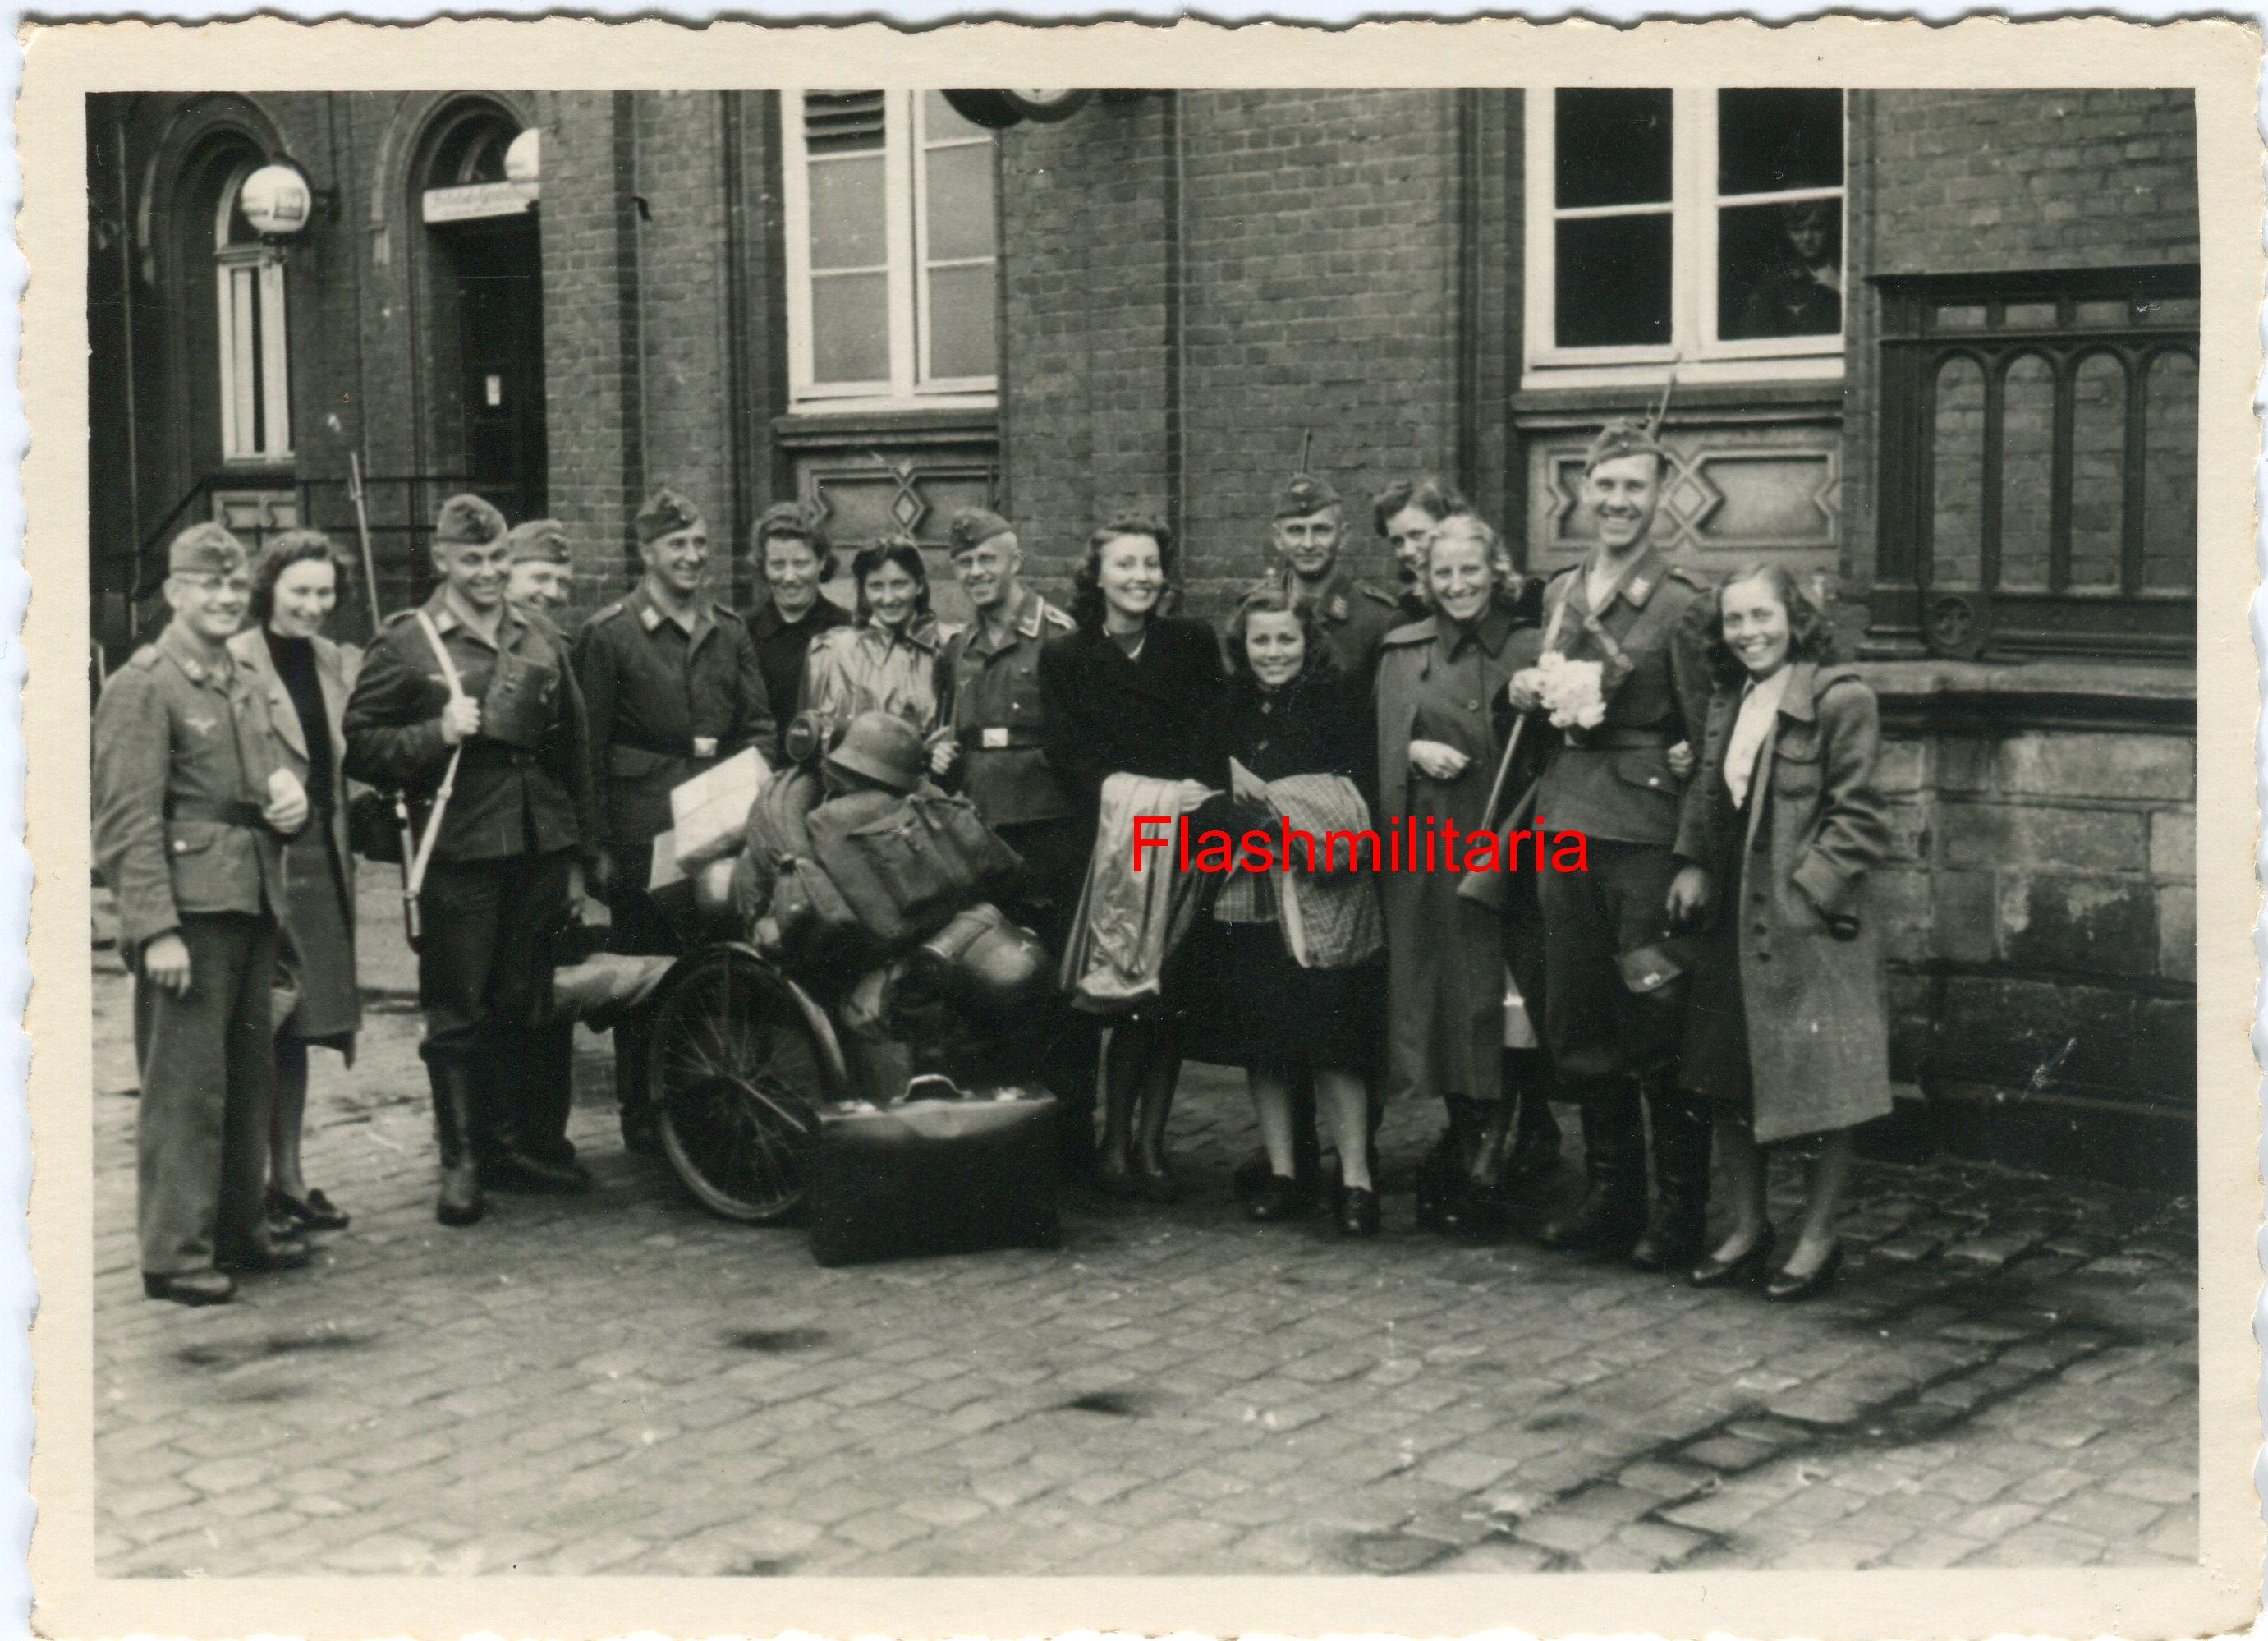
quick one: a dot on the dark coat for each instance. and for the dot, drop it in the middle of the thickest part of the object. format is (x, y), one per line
(505, 797)
(782, 645)
(1317, 724)
(1812, 999)
(665, 704)
(1158, 714)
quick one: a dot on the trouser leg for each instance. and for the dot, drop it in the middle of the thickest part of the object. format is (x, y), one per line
(528, 1108)
(190, 1152)
(639, 930)
(459, 909)
(550, 1098)
(242, 1228)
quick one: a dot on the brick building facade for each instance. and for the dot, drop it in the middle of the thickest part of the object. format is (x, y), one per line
(1983, 445)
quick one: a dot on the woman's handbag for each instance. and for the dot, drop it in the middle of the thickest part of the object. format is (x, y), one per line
(374, 828)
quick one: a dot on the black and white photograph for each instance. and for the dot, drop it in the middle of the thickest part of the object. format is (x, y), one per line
(1319, 832)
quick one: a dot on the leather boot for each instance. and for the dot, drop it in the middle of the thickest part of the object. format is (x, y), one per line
(454, 1102)
(1678, 1228)
(1477, 1207)
(1440, 1170)
(512, 1156)
(1612, 1213)
(1535, 1130)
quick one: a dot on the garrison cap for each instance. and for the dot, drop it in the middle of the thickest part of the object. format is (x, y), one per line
(1304, 493)
(973, 527)
(205, 549)
(1621, 437)
(665, 514)
(539, 541)
(467, 521)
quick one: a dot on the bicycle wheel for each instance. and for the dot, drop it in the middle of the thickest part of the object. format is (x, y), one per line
(739, 1061)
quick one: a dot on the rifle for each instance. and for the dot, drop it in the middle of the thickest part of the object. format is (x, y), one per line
(1493, 889)
(412, 924)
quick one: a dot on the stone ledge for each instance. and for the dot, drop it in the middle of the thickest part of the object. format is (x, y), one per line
(1981, 696)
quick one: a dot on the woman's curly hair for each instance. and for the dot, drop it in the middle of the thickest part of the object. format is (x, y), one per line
(1086, 601)
(1271, 600)
(906, 553)
(295, 547)
(1470, 526)
(1811, 634)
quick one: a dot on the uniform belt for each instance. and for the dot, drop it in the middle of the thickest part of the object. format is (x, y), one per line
(481, 753)
(1019, 740)
(1611, 740)
(217, 811)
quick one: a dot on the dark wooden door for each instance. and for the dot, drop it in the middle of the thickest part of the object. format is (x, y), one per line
(500, 314)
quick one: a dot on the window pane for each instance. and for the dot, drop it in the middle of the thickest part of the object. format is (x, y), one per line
(2098, 472)
(1780, 270)
(1613, 278)
(846, 214)
(1771, 141)
(940, 121)
(850, 328)
(2026, 473)
(1957, 475)
(962, 317)
(961, 222)
(1612, 147)
(2170, 487)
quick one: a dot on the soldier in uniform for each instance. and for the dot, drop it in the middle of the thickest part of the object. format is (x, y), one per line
(542, 567)
(541, 580)
(1309, 531)
(187, 820)
(672, 684)
(472, 683)
(795, 560)
(991, 671)
(1612, 1016)
(1405, 514)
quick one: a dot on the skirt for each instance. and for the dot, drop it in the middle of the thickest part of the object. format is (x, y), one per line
(1257, 1007)
(319, 966)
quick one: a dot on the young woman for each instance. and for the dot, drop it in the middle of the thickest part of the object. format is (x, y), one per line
(307, 678)
(1291, 712)
(887, 661)
(1134, 690)
(1443, 718)
(795, 561)
(1786, 1025)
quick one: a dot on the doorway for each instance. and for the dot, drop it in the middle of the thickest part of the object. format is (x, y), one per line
(497, 272)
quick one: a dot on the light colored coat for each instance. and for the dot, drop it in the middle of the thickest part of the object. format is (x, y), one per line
(335, 665)
(1809, 944)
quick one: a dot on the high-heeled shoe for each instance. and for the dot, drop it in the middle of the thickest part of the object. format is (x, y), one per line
(1358, 1211)
(313, 1212)
(1744, 1271)
(1786, 1289)
(1280, 1197)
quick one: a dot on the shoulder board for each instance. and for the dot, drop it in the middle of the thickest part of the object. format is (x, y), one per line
(1692, 578)
(1372, 590)
(610, 611)
(402, 618)
(145, 658)
(1049, 615)
(1413, 633)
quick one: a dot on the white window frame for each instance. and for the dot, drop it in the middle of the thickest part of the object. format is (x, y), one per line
(1695, 348)
(254, 332)
(905, 196)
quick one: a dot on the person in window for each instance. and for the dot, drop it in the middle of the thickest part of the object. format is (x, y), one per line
(1785, 1029)
(1315, 1018)
(1442, 719)
(890, 660)
(1135, 690)
(793, 558)
(306, 679)
(1406, 514)
(1802, 294)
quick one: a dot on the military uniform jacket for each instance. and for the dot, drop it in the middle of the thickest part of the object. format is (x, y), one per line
(1613, 781)
(666, 703)
(181, 760)
(509, 800)
(1354, 616)
(996, 717)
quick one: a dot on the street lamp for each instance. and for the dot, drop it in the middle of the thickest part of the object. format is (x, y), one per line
(277, 201)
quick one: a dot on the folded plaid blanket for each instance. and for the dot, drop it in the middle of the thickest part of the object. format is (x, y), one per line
(1330, 920)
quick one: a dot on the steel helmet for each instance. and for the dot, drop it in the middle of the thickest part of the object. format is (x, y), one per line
(882, 748)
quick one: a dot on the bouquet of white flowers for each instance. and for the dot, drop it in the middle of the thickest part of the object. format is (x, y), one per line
(1569, 690)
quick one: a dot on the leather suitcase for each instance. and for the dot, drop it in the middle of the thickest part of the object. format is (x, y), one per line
(935, 1176)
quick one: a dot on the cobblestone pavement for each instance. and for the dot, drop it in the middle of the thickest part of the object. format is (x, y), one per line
(620, 1383)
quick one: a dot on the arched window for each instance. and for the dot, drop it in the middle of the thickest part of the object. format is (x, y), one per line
(255, 358)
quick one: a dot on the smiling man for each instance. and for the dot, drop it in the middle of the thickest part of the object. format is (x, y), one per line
(188, 813)
(472, 683)
(1614, 1041)
(1308, 534)
(672, 685)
